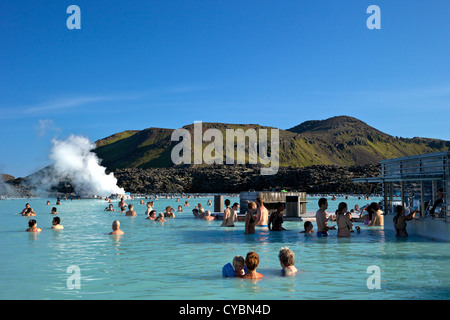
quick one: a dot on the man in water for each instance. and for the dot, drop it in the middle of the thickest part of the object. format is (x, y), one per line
(208, 216)
(262, 214)
(131, 212)
(109, 208)
(56, 224)
(116, 228)
(321, 219)
(122, 203)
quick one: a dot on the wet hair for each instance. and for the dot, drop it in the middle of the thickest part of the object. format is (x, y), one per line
(31, 223)
(399, 210)
(375, 206)
(152, 212)
(227, 202)
(252, 260)
(286, 256)
(54, 209)
(130, 206)
(341, 208)
(235, 204)
(322, 201)
(28, 210)
(57, 220)
(370, 210)
(307, 224)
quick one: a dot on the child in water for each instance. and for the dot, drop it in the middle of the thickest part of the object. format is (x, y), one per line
(236, 269)
(308, 227)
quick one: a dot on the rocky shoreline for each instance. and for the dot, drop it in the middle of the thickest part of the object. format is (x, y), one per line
(234, 179)
(229, 179)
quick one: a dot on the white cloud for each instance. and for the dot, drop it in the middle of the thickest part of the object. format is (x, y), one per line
(46, 125)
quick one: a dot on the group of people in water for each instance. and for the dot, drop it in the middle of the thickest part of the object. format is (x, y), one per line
(257, 215)
(32, 223)
(371, 215)
(246, 268)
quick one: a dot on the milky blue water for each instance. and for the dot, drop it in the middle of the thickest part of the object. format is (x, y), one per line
(182, 258)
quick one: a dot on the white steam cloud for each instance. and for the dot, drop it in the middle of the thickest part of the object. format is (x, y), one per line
(74, 160)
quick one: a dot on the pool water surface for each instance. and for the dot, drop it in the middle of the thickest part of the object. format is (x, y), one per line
(182, 258)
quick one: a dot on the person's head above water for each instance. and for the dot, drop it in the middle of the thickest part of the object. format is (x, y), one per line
(323, 203)
(286, 256)
(238, 264)
(342, 208)
(116, 225)
(252, 260)
(308, 225)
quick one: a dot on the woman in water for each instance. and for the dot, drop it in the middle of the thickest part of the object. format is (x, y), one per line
(276, 218)
(169, 213)
(287, 260)
(252, 262)
(400, 221)
(343, 221)
(377, 215)
(250, 219)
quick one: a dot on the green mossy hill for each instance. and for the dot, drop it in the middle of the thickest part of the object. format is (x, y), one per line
(340, 141)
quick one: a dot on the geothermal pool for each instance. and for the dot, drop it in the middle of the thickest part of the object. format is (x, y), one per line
(183, 257)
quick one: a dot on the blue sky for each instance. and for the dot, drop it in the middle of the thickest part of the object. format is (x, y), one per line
(141, 64)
